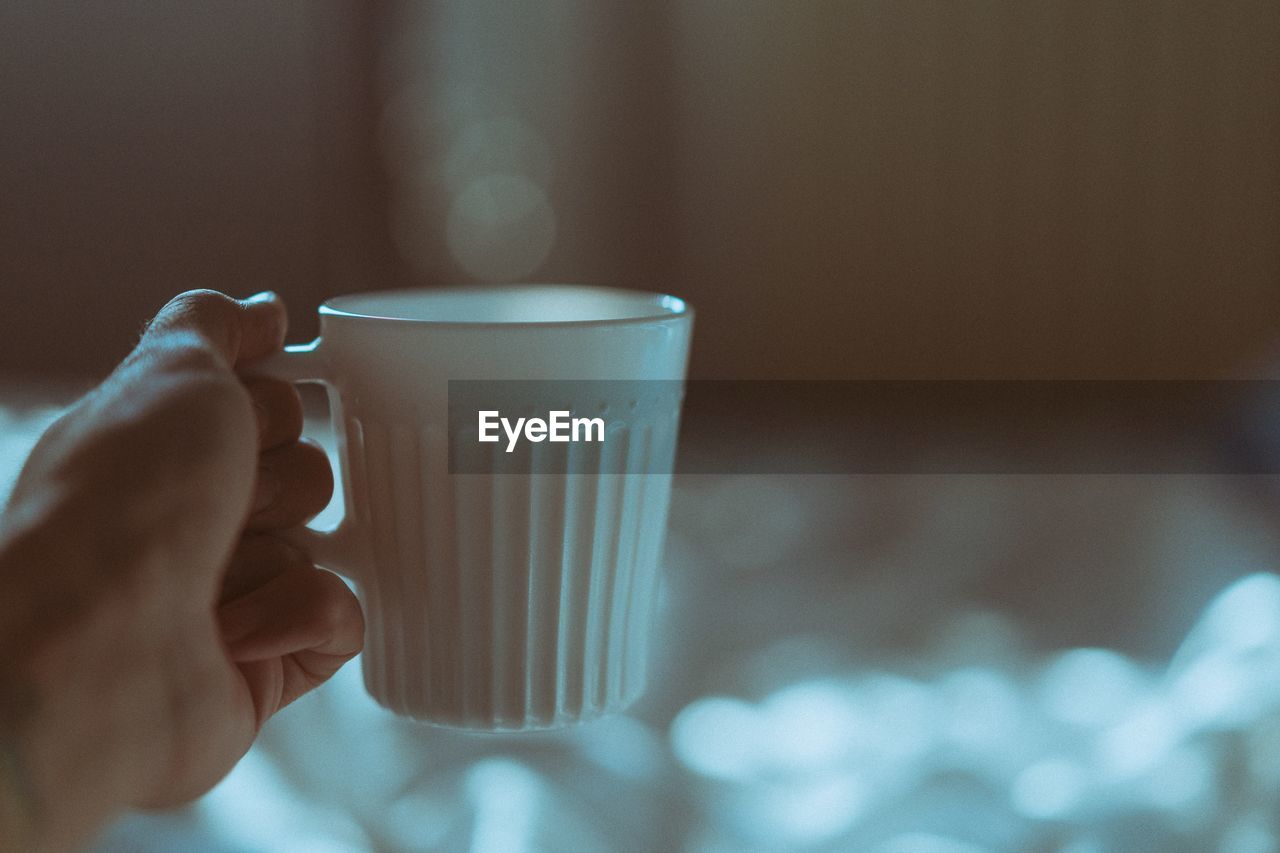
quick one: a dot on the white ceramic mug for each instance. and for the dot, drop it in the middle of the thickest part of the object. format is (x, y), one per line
(494, 601)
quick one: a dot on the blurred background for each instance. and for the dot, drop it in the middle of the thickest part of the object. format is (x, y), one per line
(850, 189)
(869, 189)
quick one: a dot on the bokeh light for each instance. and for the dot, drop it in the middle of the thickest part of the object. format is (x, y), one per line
(1091, 687)
(810, 727)
(973, 744)
(1050, 789)
(505, 145)
(504, 795)
(500, 227)
(921, 842)
(467, 166)
(719, 737)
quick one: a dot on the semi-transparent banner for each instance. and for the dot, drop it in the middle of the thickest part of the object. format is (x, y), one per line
(864, 427)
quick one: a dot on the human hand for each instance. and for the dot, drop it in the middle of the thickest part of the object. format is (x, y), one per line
(151, 621)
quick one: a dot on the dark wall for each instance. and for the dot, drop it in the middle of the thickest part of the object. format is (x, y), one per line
(881, 188)
(146, 148)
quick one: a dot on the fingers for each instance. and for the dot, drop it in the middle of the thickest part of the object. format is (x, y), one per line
(279, 410)
(301, 609)
(238, 330)
(294, 483)
(259, 558)
(305, 620)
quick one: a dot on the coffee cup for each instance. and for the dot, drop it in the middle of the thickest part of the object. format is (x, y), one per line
(498, 597)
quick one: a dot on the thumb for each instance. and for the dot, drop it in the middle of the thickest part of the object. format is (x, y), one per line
(239, 330)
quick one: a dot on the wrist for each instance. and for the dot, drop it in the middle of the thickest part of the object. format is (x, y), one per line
(69, 751)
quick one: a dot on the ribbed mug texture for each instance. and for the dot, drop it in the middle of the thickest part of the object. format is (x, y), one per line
(509, 601)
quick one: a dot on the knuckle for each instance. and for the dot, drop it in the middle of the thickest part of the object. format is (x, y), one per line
(185, 352)
(205, 314)
(200, 301)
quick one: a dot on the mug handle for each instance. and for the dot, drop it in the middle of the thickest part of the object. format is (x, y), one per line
(307, 363)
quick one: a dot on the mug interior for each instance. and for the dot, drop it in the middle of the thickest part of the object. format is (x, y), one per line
(536, 304)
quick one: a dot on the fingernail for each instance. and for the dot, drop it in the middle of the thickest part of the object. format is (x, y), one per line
(264, 296)
(266, 490)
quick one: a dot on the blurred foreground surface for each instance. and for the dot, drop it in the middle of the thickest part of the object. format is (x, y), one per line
(894, 664)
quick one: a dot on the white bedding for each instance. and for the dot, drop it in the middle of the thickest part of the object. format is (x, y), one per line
(842, 666)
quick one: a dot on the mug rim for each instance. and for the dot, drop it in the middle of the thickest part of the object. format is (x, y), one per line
(665, 306)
